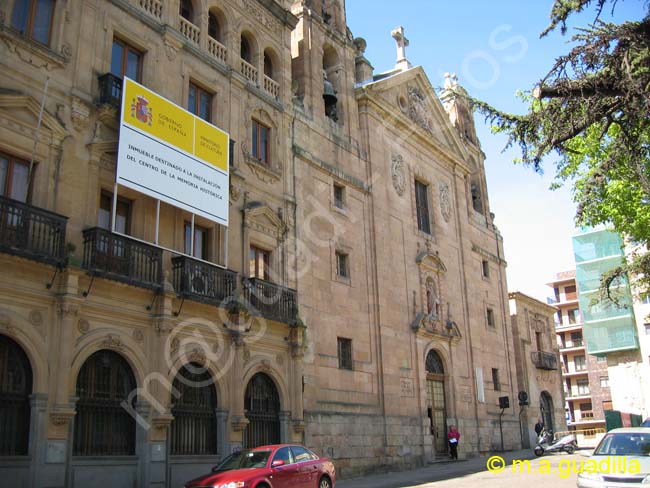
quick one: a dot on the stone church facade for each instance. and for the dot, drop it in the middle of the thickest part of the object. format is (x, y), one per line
(356, 302)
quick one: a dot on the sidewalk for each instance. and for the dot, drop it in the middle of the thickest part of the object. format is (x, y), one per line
(433, 472)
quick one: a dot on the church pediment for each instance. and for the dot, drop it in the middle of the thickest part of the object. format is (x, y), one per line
(260, 217)
(22, 112)
(410, 96)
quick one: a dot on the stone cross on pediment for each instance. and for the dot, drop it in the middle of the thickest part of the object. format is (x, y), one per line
(402, 42)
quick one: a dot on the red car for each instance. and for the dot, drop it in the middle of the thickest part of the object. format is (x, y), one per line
(278, 466)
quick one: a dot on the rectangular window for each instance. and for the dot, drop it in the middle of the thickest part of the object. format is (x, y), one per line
(126, 61)
(259, 260)
(570, 292)
(33, 18)
(260, 142)
(495, 379)
(647, 329)
(14, 176)
(607, 405)
(345, 353)
(339, 196)
(601, 359)
(122, 213)
(490, 317)
(200, 241)
(422, 206)
(538, 341)
(485, 265)
(580, 363)
(342, 265)
(199, 102)
(574, 316)
(583, 387)
(604, 381)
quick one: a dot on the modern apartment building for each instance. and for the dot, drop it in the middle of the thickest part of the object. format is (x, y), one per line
(586, 384)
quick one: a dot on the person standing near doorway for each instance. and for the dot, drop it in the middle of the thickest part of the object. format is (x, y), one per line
(453, 436)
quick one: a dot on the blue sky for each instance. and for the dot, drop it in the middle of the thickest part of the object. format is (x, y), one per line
(495, 49)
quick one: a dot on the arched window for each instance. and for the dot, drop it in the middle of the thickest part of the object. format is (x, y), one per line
(186, 10)
(331, 86)
(102, 426)
(434, 363)
(194, 429)
(214, 27)
(245, 51)
(33, 18)
(15, 388)
(268, 65)
(262, 406)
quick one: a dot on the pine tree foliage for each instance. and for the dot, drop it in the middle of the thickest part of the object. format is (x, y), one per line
(591, 114)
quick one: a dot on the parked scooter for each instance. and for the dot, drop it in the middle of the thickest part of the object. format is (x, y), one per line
(545, 443)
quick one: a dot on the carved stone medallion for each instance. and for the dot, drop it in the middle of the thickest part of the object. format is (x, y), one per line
(398, 174)
(83, 326)
(445, 202)
(418, 111)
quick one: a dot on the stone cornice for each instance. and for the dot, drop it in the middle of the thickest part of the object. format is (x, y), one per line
(307, 156)
(284, 16)
(487, 254)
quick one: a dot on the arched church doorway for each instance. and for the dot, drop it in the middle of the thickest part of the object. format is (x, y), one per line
(436, 407)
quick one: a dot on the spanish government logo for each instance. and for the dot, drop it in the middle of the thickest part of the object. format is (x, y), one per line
(140, 109)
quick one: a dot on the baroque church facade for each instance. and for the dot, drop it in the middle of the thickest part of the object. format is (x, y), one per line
(356, 302)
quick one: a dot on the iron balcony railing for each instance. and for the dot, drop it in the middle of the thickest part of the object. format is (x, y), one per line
(122, 259)
(32, 232)
(271, 301)
(110, 90)
(201, 281)
(544, 360)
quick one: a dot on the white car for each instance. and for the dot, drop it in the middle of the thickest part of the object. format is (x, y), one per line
(621, 460)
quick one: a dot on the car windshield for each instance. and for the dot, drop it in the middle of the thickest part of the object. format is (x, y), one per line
(624, 444)
(243, 460)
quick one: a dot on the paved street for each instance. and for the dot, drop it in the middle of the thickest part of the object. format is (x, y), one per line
(473, 472)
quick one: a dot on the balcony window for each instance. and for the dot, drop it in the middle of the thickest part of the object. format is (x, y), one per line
(580, 363)
(33, 18)
(186, 10)
(14, 178)
(604, 381)
(260, 142)
(422, 206)
(200, 241)
(126, 61)
(246, 52)
(199, 102)
(122, 213)
(259, 260)
(570, 292)
(214, 28)
(574, 316)
(583, 387)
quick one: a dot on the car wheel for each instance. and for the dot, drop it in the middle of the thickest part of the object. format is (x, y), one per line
(569, 449)
(538, 451)
(324, 483)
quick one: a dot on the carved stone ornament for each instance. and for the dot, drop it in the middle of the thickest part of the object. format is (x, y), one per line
(262, 171)
(138, 335)
(36, 318)
(37, 55)
(112, 342)
(79, 114)
(398, 174)
(83, 326)
(67, 309)
(266, 364)
(445, 202)
(5, 322)
(418, 111)
(61, 418)
(262, 17)
(279, 359)
(247, 354)
(235, 193)
(298, 426)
